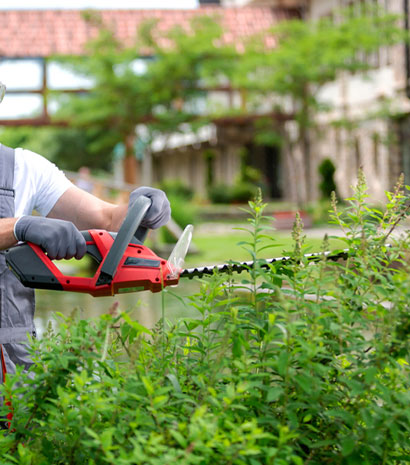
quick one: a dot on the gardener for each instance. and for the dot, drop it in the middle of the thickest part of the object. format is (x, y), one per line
(30, 182)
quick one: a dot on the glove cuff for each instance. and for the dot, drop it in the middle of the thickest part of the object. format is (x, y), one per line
(15, 229)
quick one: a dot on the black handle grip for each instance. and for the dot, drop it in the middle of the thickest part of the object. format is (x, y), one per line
(141, 234)
(128, 228)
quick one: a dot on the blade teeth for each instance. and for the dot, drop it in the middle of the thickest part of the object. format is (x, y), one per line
(239, 267)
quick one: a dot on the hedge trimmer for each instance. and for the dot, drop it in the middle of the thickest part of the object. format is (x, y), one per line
(124, 263)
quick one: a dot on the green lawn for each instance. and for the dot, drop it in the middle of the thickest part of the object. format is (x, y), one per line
(216, 249)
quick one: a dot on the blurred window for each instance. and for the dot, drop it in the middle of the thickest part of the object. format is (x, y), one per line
(23, 105)
(22, 73)
(62, 77)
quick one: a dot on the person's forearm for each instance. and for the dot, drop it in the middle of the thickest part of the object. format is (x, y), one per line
(87, 211)
(119, 212)
(7, 238)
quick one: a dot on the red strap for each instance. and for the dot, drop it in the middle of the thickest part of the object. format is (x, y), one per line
(4, 371)
(3, 364)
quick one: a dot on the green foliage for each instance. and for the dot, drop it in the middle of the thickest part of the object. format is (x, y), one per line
(69, 148)
(240, 192)
(251, 174)
(162, 95)
(219, 193)
(327, 182)
(319, 212)
(180, 66)
(308, 55)
(17, 137)
(177, 188)
(267, 132)
(312, 53)
(184, 212)
(294, 364)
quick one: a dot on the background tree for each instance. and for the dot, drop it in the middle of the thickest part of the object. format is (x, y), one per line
(69, 148)
(177, 66)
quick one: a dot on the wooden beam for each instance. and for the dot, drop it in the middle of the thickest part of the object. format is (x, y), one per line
(39, 121)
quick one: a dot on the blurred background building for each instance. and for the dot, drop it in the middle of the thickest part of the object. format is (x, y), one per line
(379, 145)
(29, 39)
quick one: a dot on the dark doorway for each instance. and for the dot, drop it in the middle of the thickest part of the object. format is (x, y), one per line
(267, 160)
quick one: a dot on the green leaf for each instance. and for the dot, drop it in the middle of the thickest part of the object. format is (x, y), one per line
(174, 382)
(179, 438)
(348, 445)
(274, 393)
(282, 362)
(135, 325)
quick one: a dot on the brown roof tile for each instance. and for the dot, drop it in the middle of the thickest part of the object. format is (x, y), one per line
(33, 33)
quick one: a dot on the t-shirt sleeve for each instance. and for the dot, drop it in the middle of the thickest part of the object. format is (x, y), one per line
(47, 181)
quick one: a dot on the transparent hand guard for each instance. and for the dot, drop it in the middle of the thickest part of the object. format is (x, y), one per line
(2, 91)
(177, 257)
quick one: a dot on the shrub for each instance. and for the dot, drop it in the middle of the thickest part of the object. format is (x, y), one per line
(251, 174)
(243, 192)
(177, 188)
(291, 364)
(219, 193)
(327, 183)
(240, 192)
(183, 213)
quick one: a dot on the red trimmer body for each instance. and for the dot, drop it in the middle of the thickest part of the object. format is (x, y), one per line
(139, 268)
(124, 263)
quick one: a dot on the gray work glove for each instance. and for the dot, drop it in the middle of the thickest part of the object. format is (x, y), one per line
(159, 212)
(59, 238)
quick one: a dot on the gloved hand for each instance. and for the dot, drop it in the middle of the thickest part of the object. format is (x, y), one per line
(59, 238)
(159, 212)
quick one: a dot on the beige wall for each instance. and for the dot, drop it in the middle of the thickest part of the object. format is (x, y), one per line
(185, 165)
(366, 147)
(189, 166)
(355, 97)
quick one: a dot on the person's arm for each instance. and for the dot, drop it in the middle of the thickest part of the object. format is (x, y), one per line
(68, 209)
(7, 238)
(87, 211)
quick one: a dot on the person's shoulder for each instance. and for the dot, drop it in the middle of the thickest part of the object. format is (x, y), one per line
(33, 162)
(29, 157)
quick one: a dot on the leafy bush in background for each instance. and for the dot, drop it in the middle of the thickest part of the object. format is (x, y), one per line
(177, 188)
(219, 193)
(183, 212)
(240, 192)
(69, 148)
(294, 364)
(243, 190)
(327, 183)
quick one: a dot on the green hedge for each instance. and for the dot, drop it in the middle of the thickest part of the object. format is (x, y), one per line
(238, 193)
(294, 364)
(183, 212)
(177, 188)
